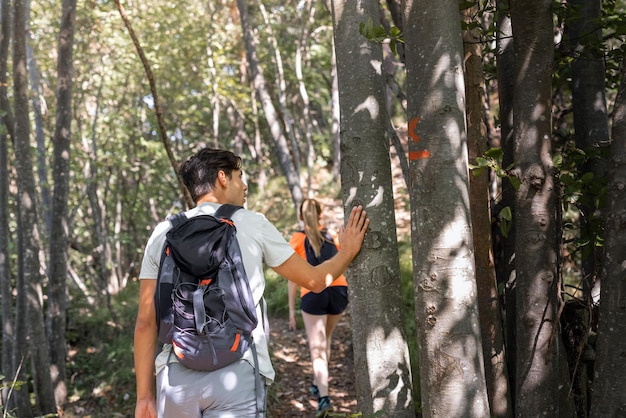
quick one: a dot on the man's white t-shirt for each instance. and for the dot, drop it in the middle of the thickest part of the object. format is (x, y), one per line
(260, 243)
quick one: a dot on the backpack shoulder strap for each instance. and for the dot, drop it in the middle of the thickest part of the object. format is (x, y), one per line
(177, 219)
(226, 211)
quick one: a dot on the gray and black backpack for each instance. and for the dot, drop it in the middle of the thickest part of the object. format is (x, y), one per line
(204, 306)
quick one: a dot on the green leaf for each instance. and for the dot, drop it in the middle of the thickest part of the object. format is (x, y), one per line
(379, 32)
(515, 182)
(505, 228)
(506, 213)
(587, 178)
(393, 47)
(483, 162)
(557, 160)
(495, 153)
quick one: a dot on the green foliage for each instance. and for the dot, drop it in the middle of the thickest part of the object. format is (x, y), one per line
(100, 353)
(13, 386)
(492, 159)
(583, 196)
(378, 34)
(276, 295)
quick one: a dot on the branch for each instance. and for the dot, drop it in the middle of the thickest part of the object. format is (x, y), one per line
(157, 105)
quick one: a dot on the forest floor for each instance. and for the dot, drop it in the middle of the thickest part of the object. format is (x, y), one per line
(289, 395)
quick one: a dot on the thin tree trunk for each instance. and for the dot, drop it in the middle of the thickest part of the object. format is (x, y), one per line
(213, 79)
(380, 343)
(540, 390)
(281, 90)
(304, 95)
(504, 245)
(488, 306)
(336, 117)
(609, 385)
(28, 256)
(273, 120)
(98, 214)
(39, 112)
(157, 104)
(591, 124)
(5, 39)
(57, 288)
(6, 298)
(591, 130)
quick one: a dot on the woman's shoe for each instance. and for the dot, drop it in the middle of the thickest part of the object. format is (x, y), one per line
(324, 407)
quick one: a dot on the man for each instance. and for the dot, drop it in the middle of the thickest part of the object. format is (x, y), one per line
(214, 177)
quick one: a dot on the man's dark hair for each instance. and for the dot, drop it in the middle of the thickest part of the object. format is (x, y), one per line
(199, 172)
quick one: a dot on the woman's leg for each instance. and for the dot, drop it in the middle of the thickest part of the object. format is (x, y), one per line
(316, 326)
(331, 323)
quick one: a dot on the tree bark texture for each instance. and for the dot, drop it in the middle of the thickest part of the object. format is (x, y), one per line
(6, 298)
(57, 298)
(34, 346)
(591, 130)
(504, 246)
(591, 120)
(609, 386)
(488, 301)
(539, 348)
(452, 375)
(381, 356)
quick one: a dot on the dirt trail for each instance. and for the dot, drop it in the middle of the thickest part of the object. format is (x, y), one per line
(289, 397)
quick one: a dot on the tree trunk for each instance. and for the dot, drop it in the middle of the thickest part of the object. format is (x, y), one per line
(451, 360)
(6, 298)
(28, 255)
(307, 126)
(213, 78)
(491, 330)
(336, 143)
(281, 90)
(107, 282)
(273, 120)
(538, 297)
(609, 385)
(381, 356)
(504, 245)
(591, 130)
(57, 298)
(591, 125)
(157, 104)
(38, 116)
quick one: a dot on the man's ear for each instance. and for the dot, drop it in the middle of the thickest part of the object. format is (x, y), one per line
(222, 178)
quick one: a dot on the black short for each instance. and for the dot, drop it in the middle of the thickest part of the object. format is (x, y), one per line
(331, 301)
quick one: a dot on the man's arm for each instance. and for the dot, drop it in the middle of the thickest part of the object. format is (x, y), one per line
(317, 278)
(145, 350)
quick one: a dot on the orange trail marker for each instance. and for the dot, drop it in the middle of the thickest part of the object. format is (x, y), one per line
(412, 125)
(416, 155)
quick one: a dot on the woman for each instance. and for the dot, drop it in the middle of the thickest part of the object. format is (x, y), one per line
(321, 312)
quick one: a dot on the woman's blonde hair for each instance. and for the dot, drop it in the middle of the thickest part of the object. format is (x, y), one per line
(310, 213)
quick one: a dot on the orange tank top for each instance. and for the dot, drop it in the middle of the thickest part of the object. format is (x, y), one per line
(297, 243)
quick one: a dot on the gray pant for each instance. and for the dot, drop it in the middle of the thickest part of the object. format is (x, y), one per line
(228, 392)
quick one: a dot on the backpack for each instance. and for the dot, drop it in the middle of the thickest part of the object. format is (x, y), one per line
(327, 250)
(203, 301)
